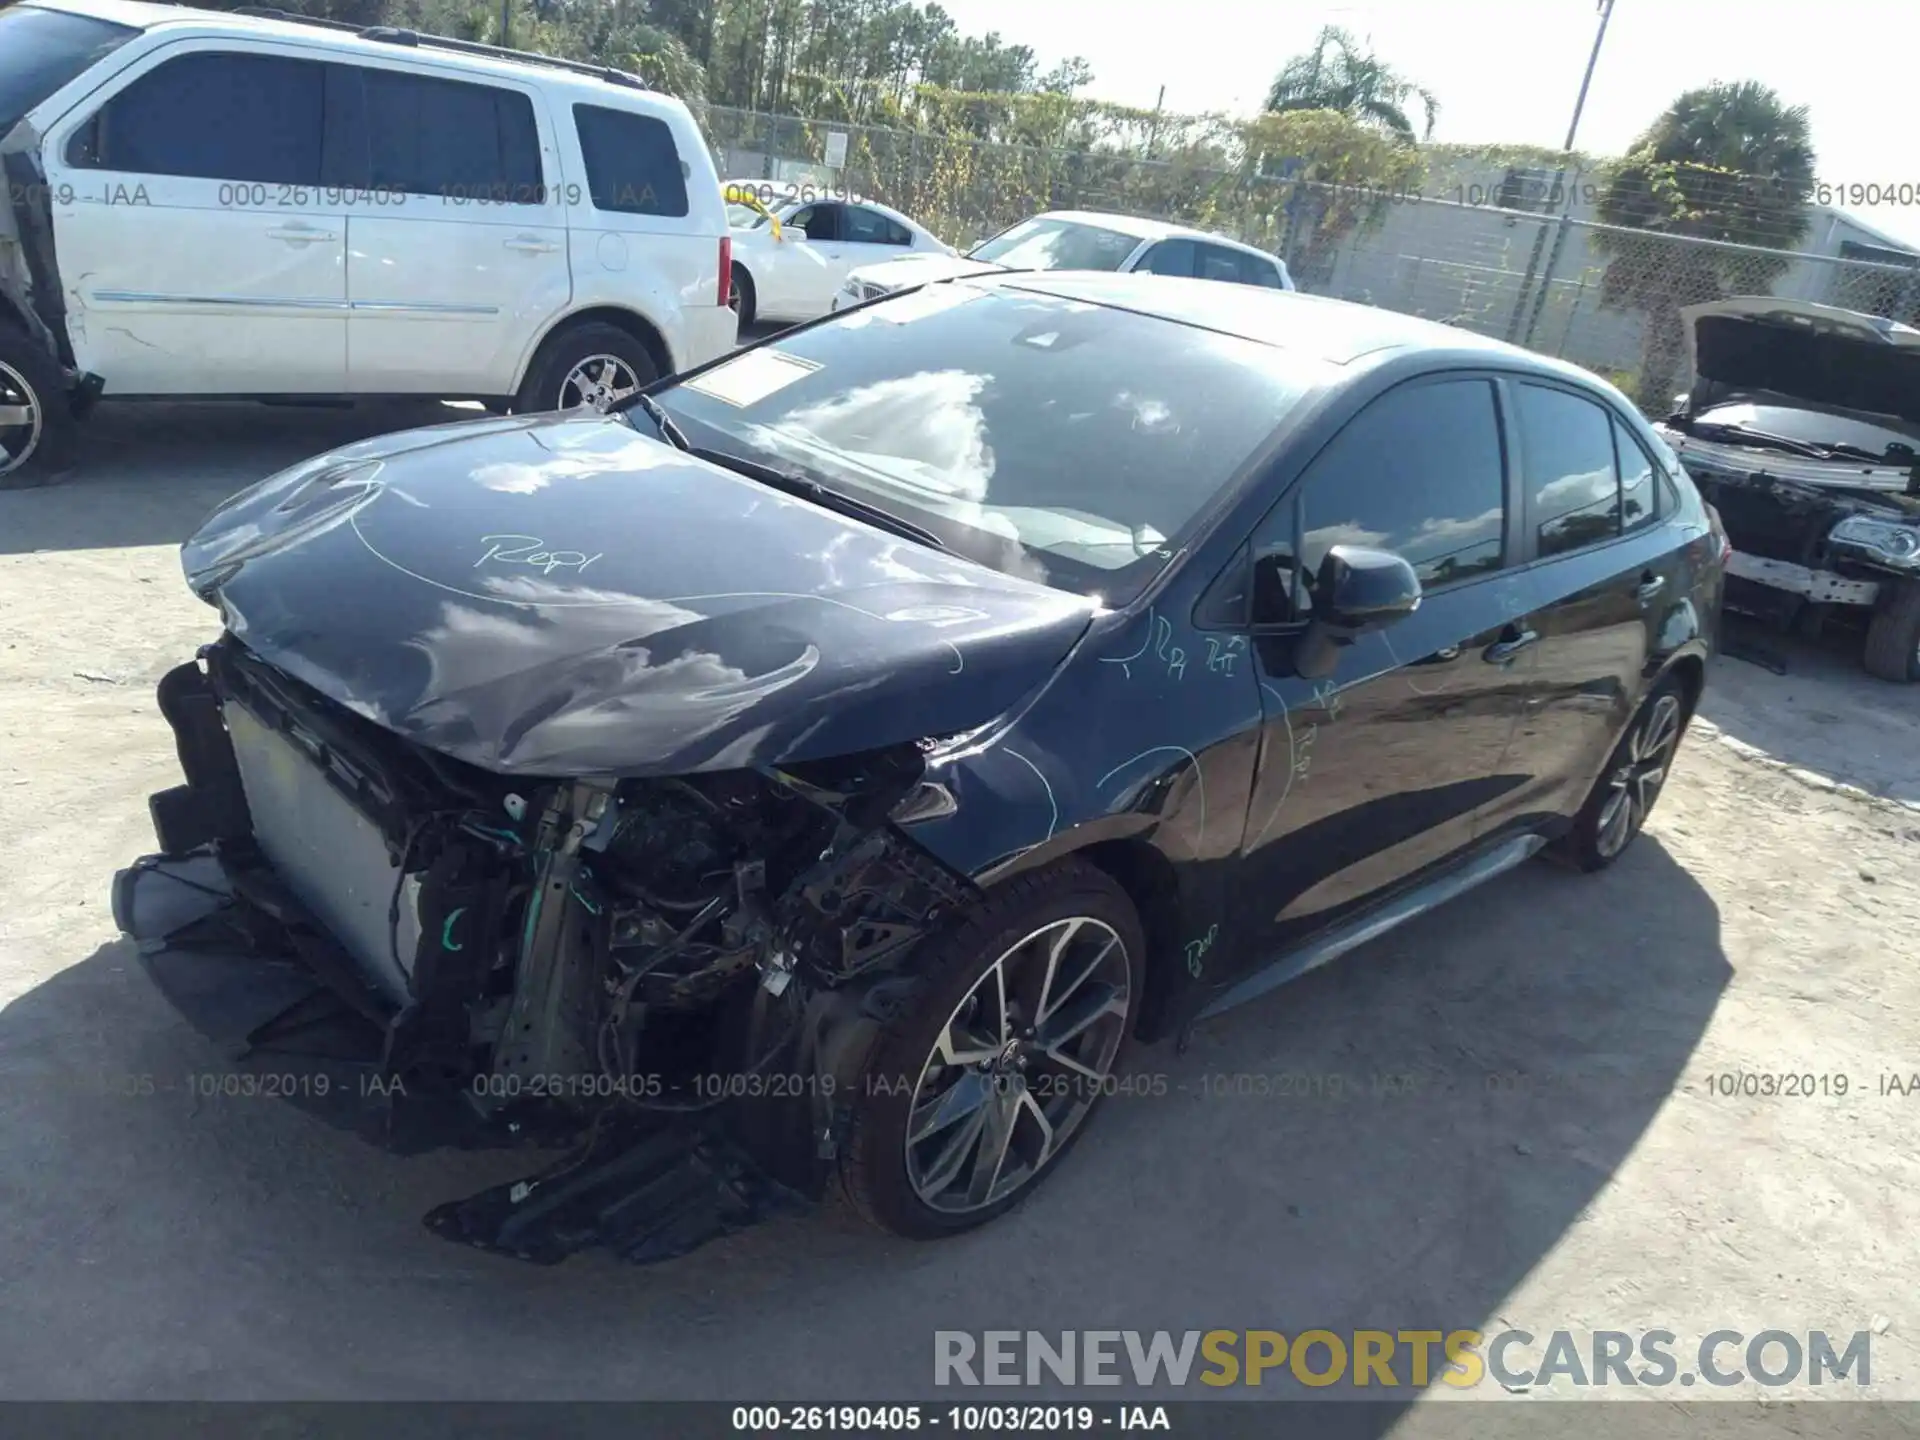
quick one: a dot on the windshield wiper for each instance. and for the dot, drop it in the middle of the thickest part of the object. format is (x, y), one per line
(827, 498)
(1833, 450)
(663, 422)
(1739, 434)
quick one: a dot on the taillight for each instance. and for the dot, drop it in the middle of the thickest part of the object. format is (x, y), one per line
(726, 271)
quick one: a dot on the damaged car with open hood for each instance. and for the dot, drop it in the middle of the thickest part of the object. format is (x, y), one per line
(1802, 428)
(824, 766)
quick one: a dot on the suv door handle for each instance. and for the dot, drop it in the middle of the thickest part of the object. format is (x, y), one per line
(300, 232)
(1505, 652)
(1650, 586)
(531, 245)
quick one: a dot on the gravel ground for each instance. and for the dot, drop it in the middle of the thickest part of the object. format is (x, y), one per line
(153, 1248)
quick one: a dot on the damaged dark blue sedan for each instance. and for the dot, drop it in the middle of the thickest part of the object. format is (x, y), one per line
(823, 768)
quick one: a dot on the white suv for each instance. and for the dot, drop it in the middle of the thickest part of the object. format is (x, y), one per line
(228, 205)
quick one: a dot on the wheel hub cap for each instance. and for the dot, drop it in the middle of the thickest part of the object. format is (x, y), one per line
(20, 420)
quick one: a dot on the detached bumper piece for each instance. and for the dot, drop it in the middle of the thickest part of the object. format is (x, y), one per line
(646, 1196)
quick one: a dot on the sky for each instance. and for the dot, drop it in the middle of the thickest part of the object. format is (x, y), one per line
(1509, 70)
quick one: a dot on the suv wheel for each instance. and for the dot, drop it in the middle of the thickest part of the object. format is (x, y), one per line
(36, 427)
(976, 1092)
(1636, 773)
(1893, 635)
(593, 366)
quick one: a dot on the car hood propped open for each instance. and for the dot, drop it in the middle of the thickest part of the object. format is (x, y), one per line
(566, 596)
(1798, 350)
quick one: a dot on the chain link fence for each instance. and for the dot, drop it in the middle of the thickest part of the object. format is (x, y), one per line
(1520, 259)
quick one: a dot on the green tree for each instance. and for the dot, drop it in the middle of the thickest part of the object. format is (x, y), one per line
(1726, 162)
(1339, 73)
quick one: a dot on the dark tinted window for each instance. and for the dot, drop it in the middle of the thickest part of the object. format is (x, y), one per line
(870, 227)
(1169, 257)
(1573, 491)
(44, 49)
(1022, 428)
(821, 222)
(1638, 503)
(1419, 472)
(632, 165)
(216, 116)
(1216, 262)
(427, 136)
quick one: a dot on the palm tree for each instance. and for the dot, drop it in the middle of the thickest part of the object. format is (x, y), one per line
(1339, 73)
(1726, 162)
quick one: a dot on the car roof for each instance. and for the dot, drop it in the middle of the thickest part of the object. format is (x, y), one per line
(1337, 331)
(142, 15)
(1142, 228)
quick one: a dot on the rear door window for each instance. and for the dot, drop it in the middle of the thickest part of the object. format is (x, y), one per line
(1639, 496)
(428, 136)
(1169, 257)
(1573, 484)
(870, 227)
(1216, 262)
(633, 166)
(213, 115)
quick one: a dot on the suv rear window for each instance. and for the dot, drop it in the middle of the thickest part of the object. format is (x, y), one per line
(633, 167)
(44, 49)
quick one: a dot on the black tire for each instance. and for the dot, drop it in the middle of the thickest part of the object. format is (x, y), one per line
(741, 296)
(874, 1165)
(547, 375)
(40, 451)
(1893, 635)
(1592, 844)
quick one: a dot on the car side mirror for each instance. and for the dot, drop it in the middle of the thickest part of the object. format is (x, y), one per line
(1355, 592)
(794, 232)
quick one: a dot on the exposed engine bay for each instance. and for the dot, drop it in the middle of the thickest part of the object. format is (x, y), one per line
(682, 970)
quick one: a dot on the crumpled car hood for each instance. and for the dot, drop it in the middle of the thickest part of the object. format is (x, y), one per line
(554, 595)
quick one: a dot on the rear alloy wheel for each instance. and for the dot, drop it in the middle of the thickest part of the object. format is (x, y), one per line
(36, 427)
(594, 366)
(1893, 635)
(1624, 795)
(976, 1094)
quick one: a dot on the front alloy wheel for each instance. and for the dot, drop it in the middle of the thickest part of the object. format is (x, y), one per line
(974, 1092)
(1018, 1065)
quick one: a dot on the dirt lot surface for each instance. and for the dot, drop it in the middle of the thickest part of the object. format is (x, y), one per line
(155, 1247)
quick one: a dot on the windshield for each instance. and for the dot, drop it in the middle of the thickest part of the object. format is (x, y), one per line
(744, 217)
(1042, 244)
(1814, 427)
(1073, 444)
(41, 50)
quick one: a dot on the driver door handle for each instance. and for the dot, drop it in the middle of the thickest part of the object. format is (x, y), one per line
(1650, 586)
(1505, 652)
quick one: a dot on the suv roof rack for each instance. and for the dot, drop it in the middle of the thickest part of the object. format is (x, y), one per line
(390, 35)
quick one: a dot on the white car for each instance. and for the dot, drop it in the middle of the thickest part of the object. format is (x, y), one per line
(792, 271)
(1081, 240)
(220, 205)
